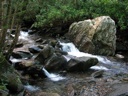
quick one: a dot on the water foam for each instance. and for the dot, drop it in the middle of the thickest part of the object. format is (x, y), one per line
(53, 77)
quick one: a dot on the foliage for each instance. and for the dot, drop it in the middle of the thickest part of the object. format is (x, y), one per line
(11, 13)
(57, 12)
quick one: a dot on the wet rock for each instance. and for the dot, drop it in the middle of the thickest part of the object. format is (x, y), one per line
(41, 93)
(97, 74)
(45, 42)
(16, 55)
(41, 46)
(53, 43)
(39, 40)
(19, 66)
(56, 62)
(34, 49)
(30, 32)
(96, 36)
(81, 64)
(35, 71)
(21, 54)
(45, 53)
(20, 44)
(61, 52)
(27, 63)
(24, 64)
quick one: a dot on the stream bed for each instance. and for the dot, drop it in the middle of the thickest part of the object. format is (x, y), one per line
(106, 78)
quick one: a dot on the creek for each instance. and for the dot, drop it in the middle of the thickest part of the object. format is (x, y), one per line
(55, 82)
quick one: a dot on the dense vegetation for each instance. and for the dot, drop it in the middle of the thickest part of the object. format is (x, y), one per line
(61, 12)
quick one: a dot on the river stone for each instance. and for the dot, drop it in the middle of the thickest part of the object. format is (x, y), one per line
(45, 53)
(81, 64)
(35, 71)
(34, 49)
(21, 55)
(56, 62)
(96, 36)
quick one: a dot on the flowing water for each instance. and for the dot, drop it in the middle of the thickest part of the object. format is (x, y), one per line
(57, 83)
(53, 77)
(104, 61)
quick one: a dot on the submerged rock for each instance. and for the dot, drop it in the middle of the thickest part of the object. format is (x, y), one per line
(96, 36)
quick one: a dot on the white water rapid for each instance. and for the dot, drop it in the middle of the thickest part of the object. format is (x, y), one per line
(73, 51)
(51, 76)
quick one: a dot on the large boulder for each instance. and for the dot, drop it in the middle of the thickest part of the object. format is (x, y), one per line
(78, 64)
(96, 36)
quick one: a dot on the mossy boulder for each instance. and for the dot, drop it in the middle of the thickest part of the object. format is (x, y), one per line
(9, 76)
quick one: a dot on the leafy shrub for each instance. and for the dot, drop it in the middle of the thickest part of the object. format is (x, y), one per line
(57, 12)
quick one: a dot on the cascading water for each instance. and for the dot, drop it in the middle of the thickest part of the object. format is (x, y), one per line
(73, 51)
(52, 76)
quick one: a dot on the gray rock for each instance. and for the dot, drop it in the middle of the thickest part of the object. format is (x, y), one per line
(96, 36)
(34, 49)
(45, 53)
(81, 64)
(56, 62)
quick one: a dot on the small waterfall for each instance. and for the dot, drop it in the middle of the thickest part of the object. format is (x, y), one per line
(51, 76)
(69, 47)
(72, 50)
